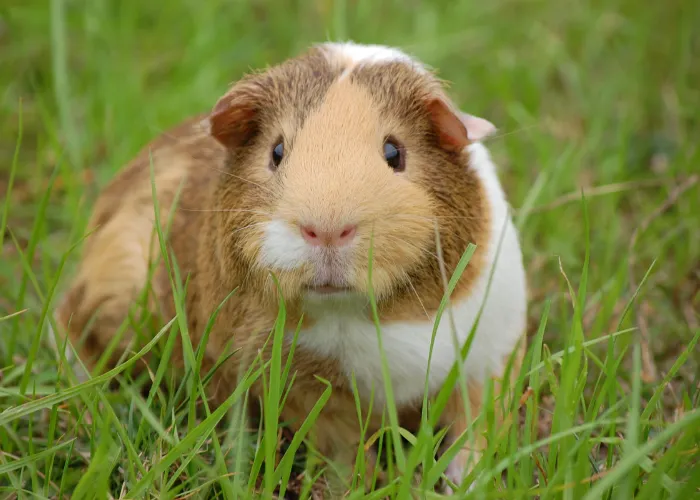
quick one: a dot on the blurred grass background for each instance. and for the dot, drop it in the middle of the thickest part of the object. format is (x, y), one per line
(594, 95)
(597, 96)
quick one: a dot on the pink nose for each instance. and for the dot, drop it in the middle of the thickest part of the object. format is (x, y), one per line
(337, 238)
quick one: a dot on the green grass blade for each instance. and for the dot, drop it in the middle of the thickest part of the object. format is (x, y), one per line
(284, 470)
(386, 375)
(32, 459)
(16, 412)
(11, 179)
(680, 362)
(95, 481)
(196, 437)
(633, 456)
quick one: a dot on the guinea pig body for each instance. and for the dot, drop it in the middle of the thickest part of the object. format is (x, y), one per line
(303, 172)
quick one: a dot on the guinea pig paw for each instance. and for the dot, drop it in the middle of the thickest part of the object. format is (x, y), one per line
(456, 471)
(50, 337)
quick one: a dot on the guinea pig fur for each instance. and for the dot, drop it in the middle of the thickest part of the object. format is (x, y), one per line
(297, 170)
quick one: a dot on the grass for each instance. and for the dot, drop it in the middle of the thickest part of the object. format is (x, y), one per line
(591, 98)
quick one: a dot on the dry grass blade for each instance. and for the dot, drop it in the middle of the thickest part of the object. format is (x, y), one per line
(12, 315)
(617, 187)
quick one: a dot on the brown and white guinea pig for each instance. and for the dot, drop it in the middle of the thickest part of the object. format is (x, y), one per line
(296, 170)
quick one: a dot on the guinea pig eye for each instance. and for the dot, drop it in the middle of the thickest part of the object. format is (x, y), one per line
(394, 155)
(277, 154)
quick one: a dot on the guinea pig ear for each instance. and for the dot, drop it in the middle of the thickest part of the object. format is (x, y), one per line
(456, 129)
(233, 121)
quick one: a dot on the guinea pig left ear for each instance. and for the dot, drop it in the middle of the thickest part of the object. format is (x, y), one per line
(233, 121)
(456, 129)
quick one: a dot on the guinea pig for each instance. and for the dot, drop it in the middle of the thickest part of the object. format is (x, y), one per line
(298, 175)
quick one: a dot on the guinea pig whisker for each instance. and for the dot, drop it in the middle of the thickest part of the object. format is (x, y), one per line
(248, 227)
(413, 245)
(180, 139)
(232, 210)
(423, 251)
(458, 217)
(268, 190)
(174, 137)
(410, 283)
(434, 218)
(408, 216)
(246, 278)
(516, 131)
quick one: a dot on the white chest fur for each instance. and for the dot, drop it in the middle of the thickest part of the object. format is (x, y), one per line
(352, 339)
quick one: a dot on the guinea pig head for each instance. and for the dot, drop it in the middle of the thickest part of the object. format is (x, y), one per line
(335, 159)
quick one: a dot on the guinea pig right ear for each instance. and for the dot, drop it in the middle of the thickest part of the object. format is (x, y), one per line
(456, 129)
(233, 121)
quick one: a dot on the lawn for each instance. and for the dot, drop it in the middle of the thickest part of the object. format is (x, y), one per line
(598, 109)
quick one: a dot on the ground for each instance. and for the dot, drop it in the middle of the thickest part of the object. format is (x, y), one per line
(598, 99)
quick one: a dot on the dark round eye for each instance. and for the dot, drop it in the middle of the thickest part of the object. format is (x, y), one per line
(277, 154)
(394, 155)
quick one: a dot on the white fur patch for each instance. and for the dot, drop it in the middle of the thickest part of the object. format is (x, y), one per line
(352, 339)
(283, 247)
(361, 53)
(51, 339)
(370, 54)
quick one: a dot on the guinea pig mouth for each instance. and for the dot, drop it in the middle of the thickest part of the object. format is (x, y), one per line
(328, 289)
(329, 277)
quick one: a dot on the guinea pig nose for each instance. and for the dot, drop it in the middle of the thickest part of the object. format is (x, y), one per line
(338, 238)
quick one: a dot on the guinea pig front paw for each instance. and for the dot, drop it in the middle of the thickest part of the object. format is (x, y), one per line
(53, 343)
(458, 468)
